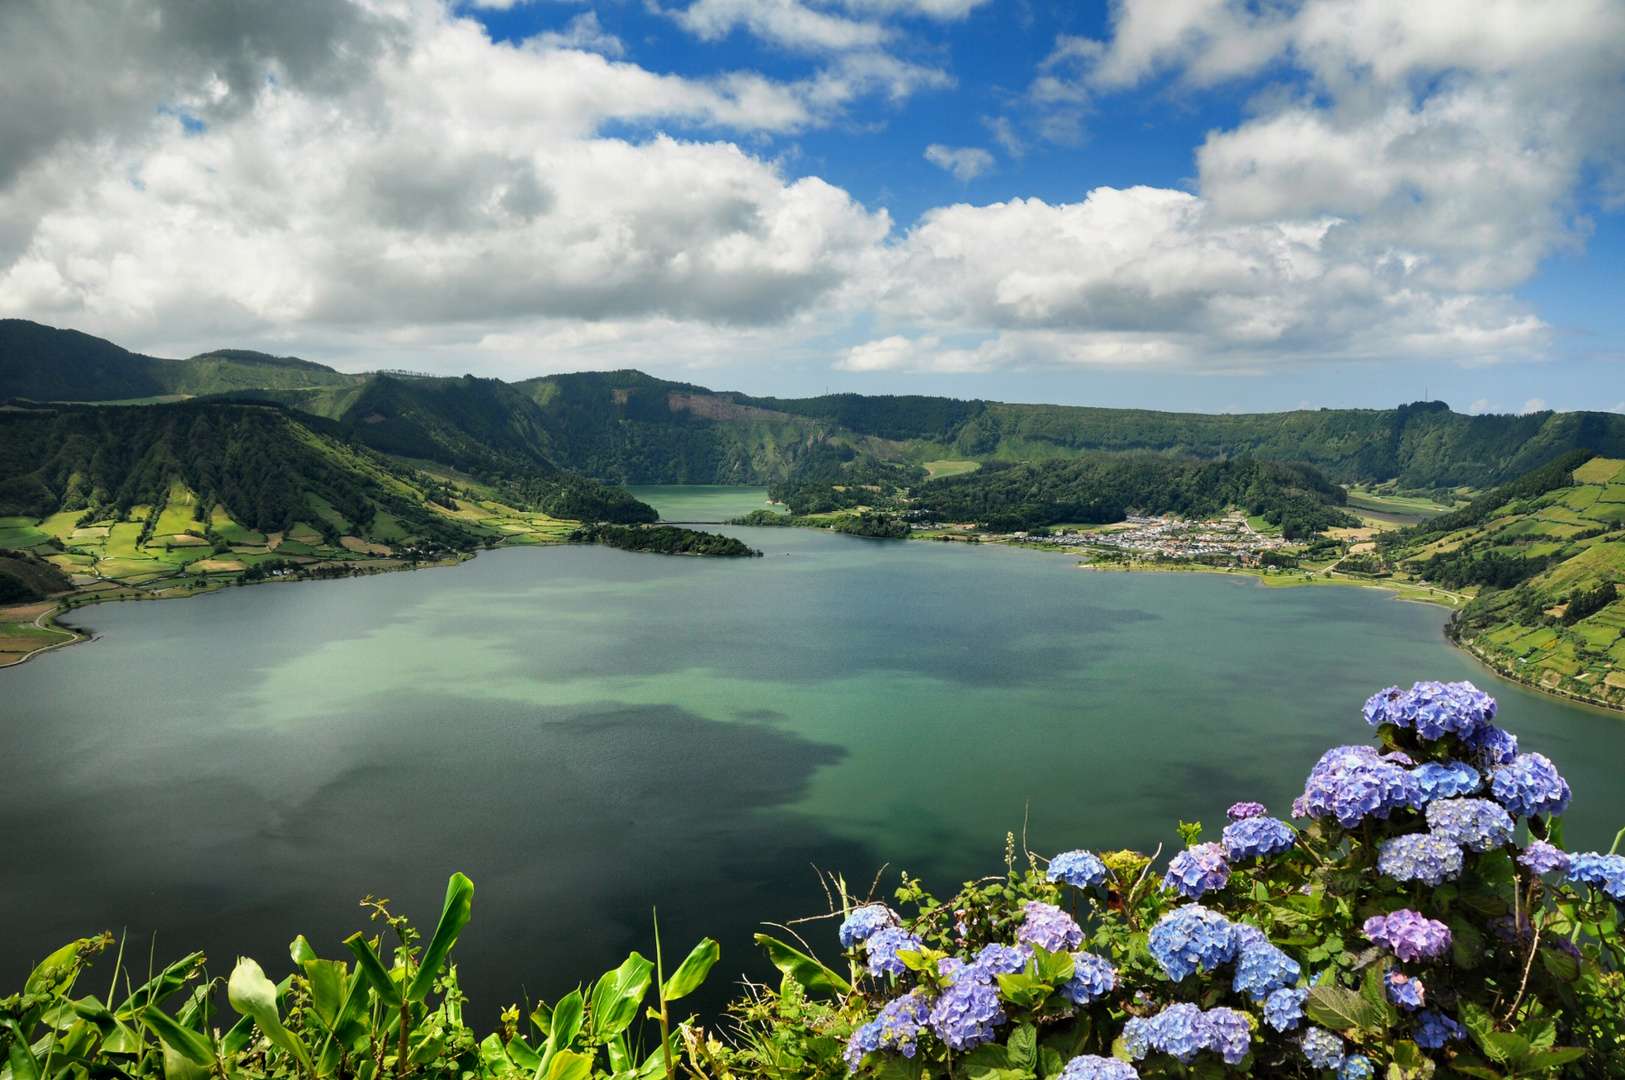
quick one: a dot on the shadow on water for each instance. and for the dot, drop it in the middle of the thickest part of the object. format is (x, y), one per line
(572, 824)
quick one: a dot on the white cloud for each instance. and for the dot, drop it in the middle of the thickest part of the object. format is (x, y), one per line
(1482, 405)
(965, 162)
(1533, 405)
(586, 33)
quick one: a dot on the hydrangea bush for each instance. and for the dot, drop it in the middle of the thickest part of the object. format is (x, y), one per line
(1418, 917)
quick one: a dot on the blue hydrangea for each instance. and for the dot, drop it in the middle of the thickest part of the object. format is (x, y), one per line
(1198, 870)
(968, 1012)
(1241, 811)
(1543, 858)
(995, 960)
(1605, 872)
(1048, 927)
(882, 947)
(1191, 937)
(1446, 781)
(1351, 783)
(1404, 990)
(1256, 837)
(1420, 857)
(1080, 869)
(896, 1028)
(1230, 1034)
(1136, 1037)
(1432, 1029)
(1530, 787)
(1357, 1067)
(1412, 935)
(1093, 977)
(1493, 746)
(1263, 969)
(1283, 1010)
(1245, 936)
(1092, 1067)
(1432, 709)
(1183, 1030)
(866, 921)
(1323, 1049)
(1475, 824)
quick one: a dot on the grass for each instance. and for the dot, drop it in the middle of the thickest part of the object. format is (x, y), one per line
(950, 468)
(1598, 470)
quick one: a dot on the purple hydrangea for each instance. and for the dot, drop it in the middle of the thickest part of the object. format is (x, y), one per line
(1262, 969)
(1432, 1029)
(1198, 870)
(995, 960)
(1543, 858)
(1420, 857)
(1605, 872)
(968, 1012)
(1475, 824)
(866, 921)
(1351, 783)
(1323, 1049)
(1191, 937)
(1184, 1030)
(1048, 927)
(1411, 935)
(882, 947)
(1530, 787)
(1446, 781)
(1283, 1010)
(1404, 990)
(1356, 1067)
(1493, 745)
(1432, 709)
(1093, 1067)
(896, 1028)
(1080, 869)
(1244, 810)
(1256, 837)
(1093, 977)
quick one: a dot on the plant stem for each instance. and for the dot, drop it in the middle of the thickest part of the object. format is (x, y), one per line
(665, 1017)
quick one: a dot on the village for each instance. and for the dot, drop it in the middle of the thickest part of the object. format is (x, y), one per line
(1176, 538)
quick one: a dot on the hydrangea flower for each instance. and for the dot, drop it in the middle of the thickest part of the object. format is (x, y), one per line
(1048, 927)
(1093, 977)
(1420, 857)
(866, 921)
(1080, 869)
(1323, 1049)
(1256, 837)
(1352, 783)
(1093, 1067)
(1530, 787)
(1411, 935)
(1283, 1010)
(1432, 709)
(995, 960)
(1493, 745)
(1241, 811)
(1404, 990)
(1605, 872)
(1184, 1030)
(1446, 781)
(1432, 1029)
(1475, 824)
(1231, 1034)
(1543, 858)
(968, 1011)
(1191, 937)
(1262, 969)
(883, 946)
(896, 1028)
(1357, 1067)
(1198, 870)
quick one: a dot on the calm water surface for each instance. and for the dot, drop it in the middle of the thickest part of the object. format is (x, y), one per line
(588, 733)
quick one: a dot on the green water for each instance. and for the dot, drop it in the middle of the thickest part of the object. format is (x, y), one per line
(589, 732)
(703, 502)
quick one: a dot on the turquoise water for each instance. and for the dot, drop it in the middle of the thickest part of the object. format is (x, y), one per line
(588, 733)
(702, 502)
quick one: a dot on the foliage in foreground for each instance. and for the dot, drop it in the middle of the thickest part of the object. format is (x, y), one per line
(1400, 931)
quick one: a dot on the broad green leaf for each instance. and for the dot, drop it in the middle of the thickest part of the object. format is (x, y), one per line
(1023, 1048)
(1050, 1062)
(692, 971)
(454, 916)
(328, 989)
(566, 1020)
(616, 998)
(300, 950)
(1476, 1069)
(52, 967)
(1504, 1046)
(1540, 1060)
(184, 1041)
(1024, 990)
(237, 1039)
(620, 1058)
(1339, 1009)
(1375, 994)
(569, 1065)
(802, 968)
(23, 1064)
(493, 1055)
(1052, 967)
(252, 994)
(373, 968)
(1560, 964)
(520, 1052)
(177, 1066)
(427, 1050)
(160, 986)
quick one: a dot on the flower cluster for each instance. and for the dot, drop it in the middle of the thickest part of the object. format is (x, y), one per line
(1412, 936)
(1191, 938)
(1543, 858)
(866, 921)
(1183, 1030)
(1048, 927)
(1197, 870)
(1283, 1010)
(1093, 977)
(1475, 824)
(1437, 780)
(1420, 857)
(1530, 787)
(1432, 709)
(896, 1028)
(1080, 869)
(1095, 1067)
(1262, 969)
(1241, 811)
(1605, 872)
(1352, 783)
(1256, 837)
(968, 1012)
(1432, 1029)
(1404, 990)
(883, 946)
(1323, 1049)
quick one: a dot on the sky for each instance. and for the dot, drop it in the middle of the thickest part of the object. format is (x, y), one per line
(1210, 205)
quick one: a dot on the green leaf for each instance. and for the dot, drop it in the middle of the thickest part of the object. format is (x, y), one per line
(692, 971)
(1050, 1062)
(51, 967)
(454, 916)
(328, 991)
(1504, 1046)
(237, 1039)
(1375, 994)
(160, 987)
(616, 998)
(1023, 1048)
(1560, 964)
(1541, 1060)
(569, 1065)
(184, 1041)
(1053, 968)
(301, 951)
(1339, 1009)
(522, 1055)
(802, 968)
(23, 1064)
(1024, 990)
(384, 986)
(566, 1021)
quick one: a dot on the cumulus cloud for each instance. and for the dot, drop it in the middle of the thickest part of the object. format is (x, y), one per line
(1534, 405)
(965, 162)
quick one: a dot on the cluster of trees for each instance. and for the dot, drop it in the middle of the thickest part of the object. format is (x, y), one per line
(833, 476)
(880, 526)
(25, 577)
(663, 540)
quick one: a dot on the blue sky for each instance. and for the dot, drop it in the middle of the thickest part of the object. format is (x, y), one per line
(1185, 204)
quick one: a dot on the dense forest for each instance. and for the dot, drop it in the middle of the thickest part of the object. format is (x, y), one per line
(833, 476)
(663, 540)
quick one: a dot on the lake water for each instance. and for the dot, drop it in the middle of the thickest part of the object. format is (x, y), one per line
(588, 733)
